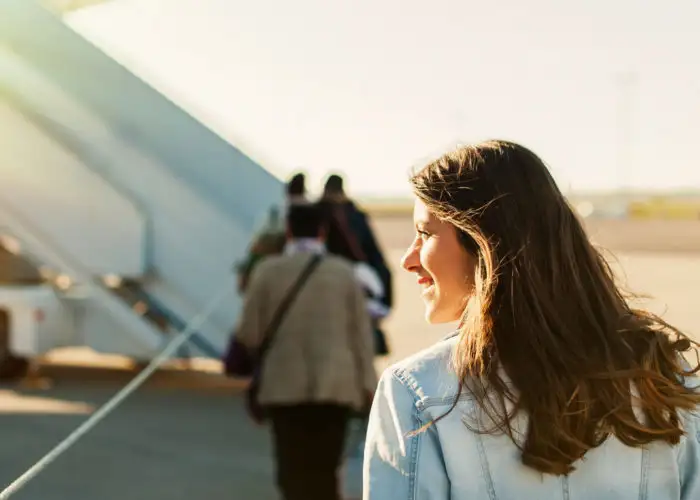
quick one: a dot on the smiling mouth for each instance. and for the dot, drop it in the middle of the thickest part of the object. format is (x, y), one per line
(427, 293)
(426, 284)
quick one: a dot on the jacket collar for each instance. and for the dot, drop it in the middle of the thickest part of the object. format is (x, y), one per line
(304, 245)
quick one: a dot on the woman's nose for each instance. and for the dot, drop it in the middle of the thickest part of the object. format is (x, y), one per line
(410, 260)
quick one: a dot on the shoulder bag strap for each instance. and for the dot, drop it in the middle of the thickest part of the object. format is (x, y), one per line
(281, 311)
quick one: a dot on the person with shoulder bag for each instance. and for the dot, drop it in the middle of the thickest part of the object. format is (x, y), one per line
(305, 337)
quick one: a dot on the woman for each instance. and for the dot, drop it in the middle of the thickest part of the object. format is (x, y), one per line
(553, 386)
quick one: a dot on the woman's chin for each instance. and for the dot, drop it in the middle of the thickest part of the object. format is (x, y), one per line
(434, 317)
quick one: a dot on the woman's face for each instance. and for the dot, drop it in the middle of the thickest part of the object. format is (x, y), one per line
(443, 268)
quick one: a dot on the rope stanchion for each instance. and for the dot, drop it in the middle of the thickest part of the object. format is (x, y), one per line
(169, 349)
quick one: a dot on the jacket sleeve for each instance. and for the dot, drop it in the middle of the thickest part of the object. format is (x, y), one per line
(251, 323)
(392, 453)
(689, 461)
(689, 448)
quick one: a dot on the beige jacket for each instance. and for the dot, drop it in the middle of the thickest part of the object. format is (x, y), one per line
(323, 350)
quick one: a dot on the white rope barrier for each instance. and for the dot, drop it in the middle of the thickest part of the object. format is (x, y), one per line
(169, 349)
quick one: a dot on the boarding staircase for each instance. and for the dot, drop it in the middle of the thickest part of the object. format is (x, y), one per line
(185, 202)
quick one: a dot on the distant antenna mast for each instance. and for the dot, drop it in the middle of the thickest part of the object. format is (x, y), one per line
(626, 84)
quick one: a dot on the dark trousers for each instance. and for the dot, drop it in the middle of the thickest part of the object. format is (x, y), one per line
(309, 441)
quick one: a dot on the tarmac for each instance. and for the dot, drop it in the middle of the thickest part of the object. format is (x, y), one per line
(184, 435)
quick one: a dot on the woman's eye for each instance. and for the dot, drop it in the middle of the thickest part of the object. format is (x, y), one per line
(423, 234)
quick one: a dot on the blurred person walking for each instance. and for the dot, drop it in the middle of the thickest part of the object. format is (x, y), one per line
(271, 237)
(350, 235)
(306, 322)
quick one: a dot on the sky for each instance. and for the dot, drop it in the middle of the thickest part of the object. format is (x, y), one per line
(607, 93)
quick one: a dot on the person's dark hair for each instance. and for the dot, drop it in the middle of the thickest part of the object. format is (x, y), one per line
(545, 308)
(305, 221)
(341, 239)
(297, 185)
(334, 185)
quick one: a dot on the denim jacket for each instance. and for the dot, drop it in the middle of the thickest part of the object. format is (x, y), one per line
(448, 461)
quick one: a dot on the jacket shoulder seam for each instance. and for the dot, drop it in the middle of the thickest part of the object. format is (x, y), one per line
(411, 385)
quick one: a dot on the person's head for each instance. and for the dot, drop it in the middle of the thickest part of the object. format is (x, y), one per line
(334, 186)
(296, 187)
(499, 248)
(305, 221)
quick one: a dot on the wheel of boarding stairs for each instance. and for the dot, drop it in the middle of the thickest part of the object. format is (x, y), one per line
(11, 366)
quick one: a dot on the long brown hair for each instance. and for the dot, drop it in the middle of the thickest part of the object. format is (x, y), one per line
(578, 359)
